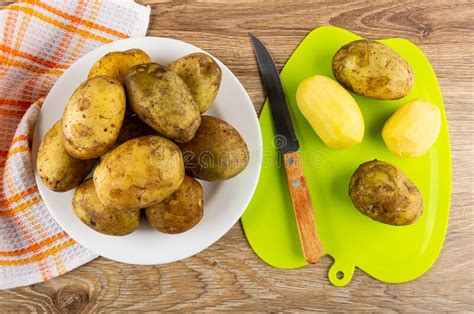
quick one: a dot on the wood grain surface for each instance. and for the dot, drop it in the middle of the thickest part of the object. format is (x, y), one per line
(311, 246)
(228, 275)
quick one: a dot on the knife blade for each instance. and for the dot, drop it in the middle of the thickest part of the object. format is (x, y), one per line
(289, 147)
(276, 97)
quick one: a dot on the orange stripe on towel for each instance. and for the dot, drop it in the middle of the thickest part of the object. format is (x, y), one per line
(5, 112)
(14, 210)
(15, 103)
(36, 246)
(59, 24)
(22, 137)
(36, 59)
(74, 19)
(40, 256)
(16, 150)
(16, 197)
(28, 66)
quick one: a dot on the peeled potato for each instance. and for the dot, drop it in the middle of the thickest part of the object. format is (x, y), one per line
(412, 129)
(331, 110)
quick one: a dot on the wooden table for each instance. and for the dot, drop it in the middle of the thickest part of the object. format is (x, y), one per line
(228, 275)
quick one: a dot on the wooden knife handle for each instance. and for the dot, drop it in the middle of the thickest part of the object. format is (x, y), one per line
(303, 208)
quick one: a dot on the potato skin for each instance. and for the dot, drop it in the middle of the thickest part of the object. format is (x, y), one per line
(93, 117)
(101, 218)
(132, 127)
(57, 169)
(203, 76)
(116, 64)
(217, 152)
(382, 192)
(163, 100)
(179, 212)
(372, 69)
(141, 172)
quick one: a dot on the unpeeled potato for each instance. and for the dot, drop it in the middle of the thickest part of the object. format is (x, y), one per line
(217, 152)
(202, 75)
(58, 170)
(372, 69)
(102, 218)
(139, 173)
(132, 127)
(412, 129)
(331, 110)
(384, 193)
(93, 117)
(162, 100)
(117, 63)
(179, 212)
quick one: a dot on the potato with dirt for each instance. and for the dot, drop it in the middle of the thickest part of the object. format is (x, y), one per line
(132, 127)
(101, 218)
(203, 76)
(163, 100)
(116, 64)
(139, 173)
(58, 170)
(217, 152)
(372, 69)
(179, 212)
(93, 117)
(383, 192)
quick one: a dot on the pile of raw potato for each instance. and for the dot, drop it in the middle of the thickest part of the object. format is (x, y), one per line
(141, 121)
(369, 68)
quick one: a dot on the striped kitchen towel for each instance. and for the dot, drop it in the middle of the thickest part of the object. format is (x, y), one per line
(39, 40)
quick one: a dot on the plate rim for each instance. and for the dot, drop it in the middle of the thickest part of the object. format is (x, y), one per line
(258, 153)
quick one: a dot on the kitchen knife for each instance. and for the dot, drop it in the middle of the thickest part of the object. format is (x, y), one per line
(287, 143)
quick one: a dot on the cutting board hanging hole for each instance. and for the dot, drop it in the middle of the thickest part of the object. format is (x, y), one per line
(339, 274)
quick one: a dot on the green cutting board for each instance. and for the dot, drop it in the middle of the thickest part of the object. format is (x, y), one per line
(387, 253)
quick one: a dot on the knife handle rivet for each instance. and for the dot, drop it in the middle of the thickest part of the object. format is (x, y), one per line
(295, 183)
(290, 161)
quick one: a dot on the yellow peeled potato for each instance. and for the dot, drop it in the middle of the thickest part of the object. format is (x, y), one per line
(331, 110)
(412, 129)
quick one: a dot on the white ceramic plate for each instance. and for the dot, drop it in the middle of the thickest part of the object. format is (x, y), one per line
(224, 202)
